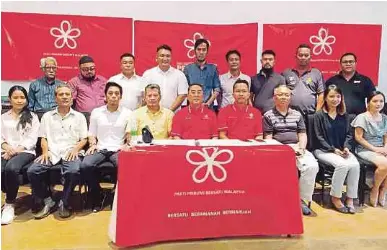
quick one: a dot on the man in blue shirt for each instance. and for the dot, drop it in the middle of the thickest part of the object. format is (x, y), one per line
(203, 73)
(41, 94)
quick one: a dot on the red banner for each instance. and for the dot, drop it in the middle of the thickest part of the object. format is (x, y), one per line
(26, 38)
(186, 192)
(328, 43)
(182, 36)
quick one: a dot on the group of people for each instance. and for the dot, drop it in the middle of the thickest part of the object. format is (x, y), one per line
(267, 105)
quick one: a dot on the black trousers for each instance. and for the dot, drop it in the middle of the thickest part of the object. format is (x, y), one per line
(10, 170)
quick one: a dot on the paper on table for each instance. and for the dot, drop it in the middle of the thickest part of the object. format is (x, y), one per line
(174, 142)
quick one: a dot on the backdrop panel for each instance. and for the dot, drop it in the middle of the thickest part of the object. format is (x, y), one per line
(328, 42)
(182, 36)
(28, 37)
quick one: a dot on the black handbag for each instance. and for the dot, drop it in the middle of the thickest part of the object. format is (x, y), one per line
(147, 136)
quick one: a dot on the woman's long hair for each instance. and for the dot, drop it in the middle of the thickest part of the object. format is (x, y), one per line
(339, 109)
(26, 115)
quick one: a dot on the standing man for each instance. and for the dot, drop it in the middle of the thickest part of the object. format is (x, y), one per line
(153, 115)
(356, 87)
(227, 80)
(263, 83)
(132, 84)
(41, 94)
(287, 126)
(172, 81)
(64, 134)
(88, 88)
(204, 73)
(240, 120)
(107, 136)
(195, 121)
(306, 83)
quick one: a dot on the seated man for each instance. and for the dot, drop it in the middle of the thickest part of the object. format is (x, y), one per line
(195, 121)
(64, 134)
(41, 96)
(157, 118)
(107, 137)
(287, 126)
(240, 120)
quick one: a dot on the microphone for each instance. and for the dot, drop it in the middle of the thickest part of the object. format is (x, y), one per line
(147, 136)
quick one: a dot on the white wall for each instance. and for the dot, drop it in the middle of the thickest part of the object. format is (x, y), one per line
(224, 13)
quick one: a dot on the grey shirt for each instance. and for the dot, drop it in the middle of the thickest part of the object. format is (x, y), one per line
(283, 128)
(373, 131)
(305, 89)
(262, 87)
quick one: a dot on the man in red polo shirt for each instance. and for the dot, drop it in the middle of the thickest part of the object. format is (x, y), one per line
(196, 121)
(240, 120)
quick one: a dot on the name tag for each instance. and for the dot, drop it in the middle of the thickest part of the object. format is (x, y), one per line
(356, 81)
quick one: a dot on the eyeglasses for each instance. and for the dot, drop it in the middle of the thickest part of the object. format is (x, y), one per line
(87, 69)
(348, 62)
(51, 68)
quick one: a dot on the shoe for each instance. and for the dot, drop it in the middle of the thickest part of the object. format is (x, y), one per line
(351, 209)
(305, 209)
(8, 214)
(46, 210)
(342, 209)
(64, 212)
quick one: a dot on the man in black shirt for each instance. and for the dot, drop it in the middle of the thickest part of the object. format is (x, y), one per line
(355, 87)
(263, 83)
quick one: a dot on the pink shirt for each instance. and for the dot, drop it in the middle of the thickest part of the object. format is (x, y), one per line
(88, 95)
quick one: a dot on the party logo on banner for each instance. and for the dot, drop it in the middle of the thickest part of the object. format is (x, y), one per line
(209, 162)
(181, 37)
(26, 38)
(328, 43)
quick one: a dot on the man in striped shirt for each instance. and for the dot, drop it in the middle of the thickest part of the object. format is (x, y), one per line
(41, 94)
(287, 126)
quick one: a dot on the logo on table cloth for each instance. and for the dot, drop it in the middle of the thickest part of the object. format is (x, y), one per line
(65, 35)
(322, 42)
(190, 44)
(209, 162)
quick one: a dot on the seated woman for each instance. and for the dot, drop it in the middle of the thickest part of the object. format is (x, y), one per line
(371, 136)
(19, 134)
(333, 137)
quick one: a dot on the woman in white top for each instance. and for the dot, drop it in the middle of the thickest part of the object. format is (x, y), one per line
(19, 134)
(371, 135)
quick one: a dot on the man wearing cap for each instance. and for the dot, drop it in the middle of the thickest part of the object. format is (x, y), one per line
(88, 88)
(195, 121)
(240, 120)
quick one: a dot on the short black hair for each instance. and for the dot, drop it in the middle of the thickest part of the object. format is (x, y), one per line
(164, 46)
(240, 81)
(200, 41)
(234, 51)
(195, 84)
(127, 55)
(303, 46)
(268, 52)
(112, 84)
(348, 54)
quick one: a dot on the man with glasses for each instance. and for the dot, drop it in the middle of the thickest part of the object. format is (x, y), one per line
(87, 88)
(41, 94)
(355, 87)
(287, 126)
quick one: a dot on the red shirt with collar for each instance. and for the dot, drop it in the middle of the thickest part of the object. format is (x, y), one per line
(191, 123)
(239, 123)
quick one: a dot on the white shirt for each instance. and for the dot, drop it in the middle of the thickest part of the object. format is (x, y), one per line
(226, 85)
(109, 127)
(62, 133)
(132, 90)
(26, 137)
(172, 83)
